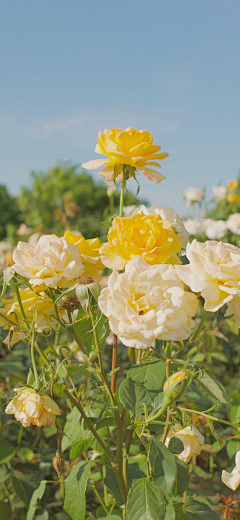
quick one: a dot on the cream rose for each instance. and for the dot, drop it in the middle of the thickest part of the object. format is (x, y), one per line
(192, 195)
(148, 302)
(215, 229)
(233, 223)
(30, 407)
(191, 438)
(219, 193)
(232, 480)
(167, 214)
(214, 271)
(195, 226)
(51, 262)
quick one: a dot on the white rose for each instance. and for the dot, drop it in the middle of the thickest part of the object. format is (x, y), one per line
(168, 214)
(233, 223)
(51, 262)
(214, 271)
(219, 193)
(192, 195)
(194, 226)
(148, 302)
(192, 441)
(232, 480)
(216, 229)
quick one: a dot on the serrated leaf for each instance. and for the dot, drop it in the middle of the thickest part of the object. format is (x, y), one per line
(75, 487)
(111, 483)
(164, 466)
(151, 375)
(84, 329)
(23, 490)
(213, 387)
(71, 429)
(132, 394)
(183, 476)
(175, 445)
(145, 501)
(199, 511)
(37, 495)
(80, 447)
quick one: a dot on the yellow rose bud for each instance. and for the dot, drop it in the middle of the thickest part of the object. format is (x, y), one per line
(30, 407)
(142, 235)
(175, 378)
(131, 147)
(232, 184)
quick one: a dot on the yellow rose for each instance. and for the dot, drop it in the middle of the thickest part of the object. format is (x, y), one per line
(232, 197)
(142, 235)
(232, 184)
(132, 147)
(89, 250)
(191, 438)
(32, 303)
(30, 407)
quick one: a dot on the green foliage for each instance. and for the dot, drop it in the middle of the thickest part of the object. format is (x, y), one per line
(64, 198)
(9, 214)
(145, 500)
(132, 394)
(37, 495)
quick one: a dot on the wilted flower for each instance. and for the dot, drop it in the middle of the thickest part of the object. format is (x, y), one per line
(131, 147)
(232, 184)
(192, 195)
(215, 229)
(89, 250)
(30, 407)
(142, 235)
(219, 193)
(166, 214)
(148, 302)
(51, 262)
(36, 307)
(195, 226)
(191, 438)
(214, 270)
(232, 480)
(233, 223)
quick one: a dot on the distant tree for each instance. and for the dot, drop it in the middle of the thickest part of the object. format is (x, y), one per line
(64, 198)
(9, 212)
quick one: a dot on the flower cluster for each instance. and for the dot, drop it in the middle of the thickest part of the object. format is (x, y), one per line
(213, 229)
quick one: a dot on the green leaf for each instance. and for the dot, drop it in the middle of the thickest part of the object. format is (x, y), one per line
(232, 326)
(7, 452)
(75, 487)
(23, 490)
(213, 387)
(37, 495)
(183, 476)
(199, 511)
(12, 366)
(71, 429)
(232, 447)
(79, 447)
(43, 516)
(112, 484)
(170, 512)
(84, 329)
(132, 394)
(145, 501)
(164, 466)
(111, 517)
(234, 410)
(25, 453)
(4, 474)
(175, 445)
(4, 511)
(152, 374)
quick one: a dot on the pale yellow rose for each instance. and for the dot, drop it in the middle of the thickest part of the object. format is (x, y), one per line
(232, 480)
(36, 307)
(30, 407)
(142, 235)
(148, 302)
(131, 147)
(192, 195)
(52, 262)
(89, 250)
(233, 197)
(214, 271)
(191, 438)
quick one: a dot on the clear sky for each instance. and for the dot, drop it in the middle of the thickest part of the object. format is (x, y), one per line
(72, 67)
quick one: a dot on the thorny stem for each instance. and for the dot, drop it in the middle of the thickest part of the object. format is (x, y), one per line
(36, 376)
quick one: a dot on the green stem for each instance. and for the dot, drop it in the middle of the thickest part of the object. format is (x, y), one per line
(234, 425)
(99, 498)
(122, 194)
(9, 321)
(105, 490)
(36, 376)
(19, 439)
(42, 356)
(197, 332)
(21, 307)
(125, 458)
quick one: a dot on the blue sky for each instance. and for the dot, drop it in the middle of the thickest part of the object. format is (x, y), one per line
(71, 68)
